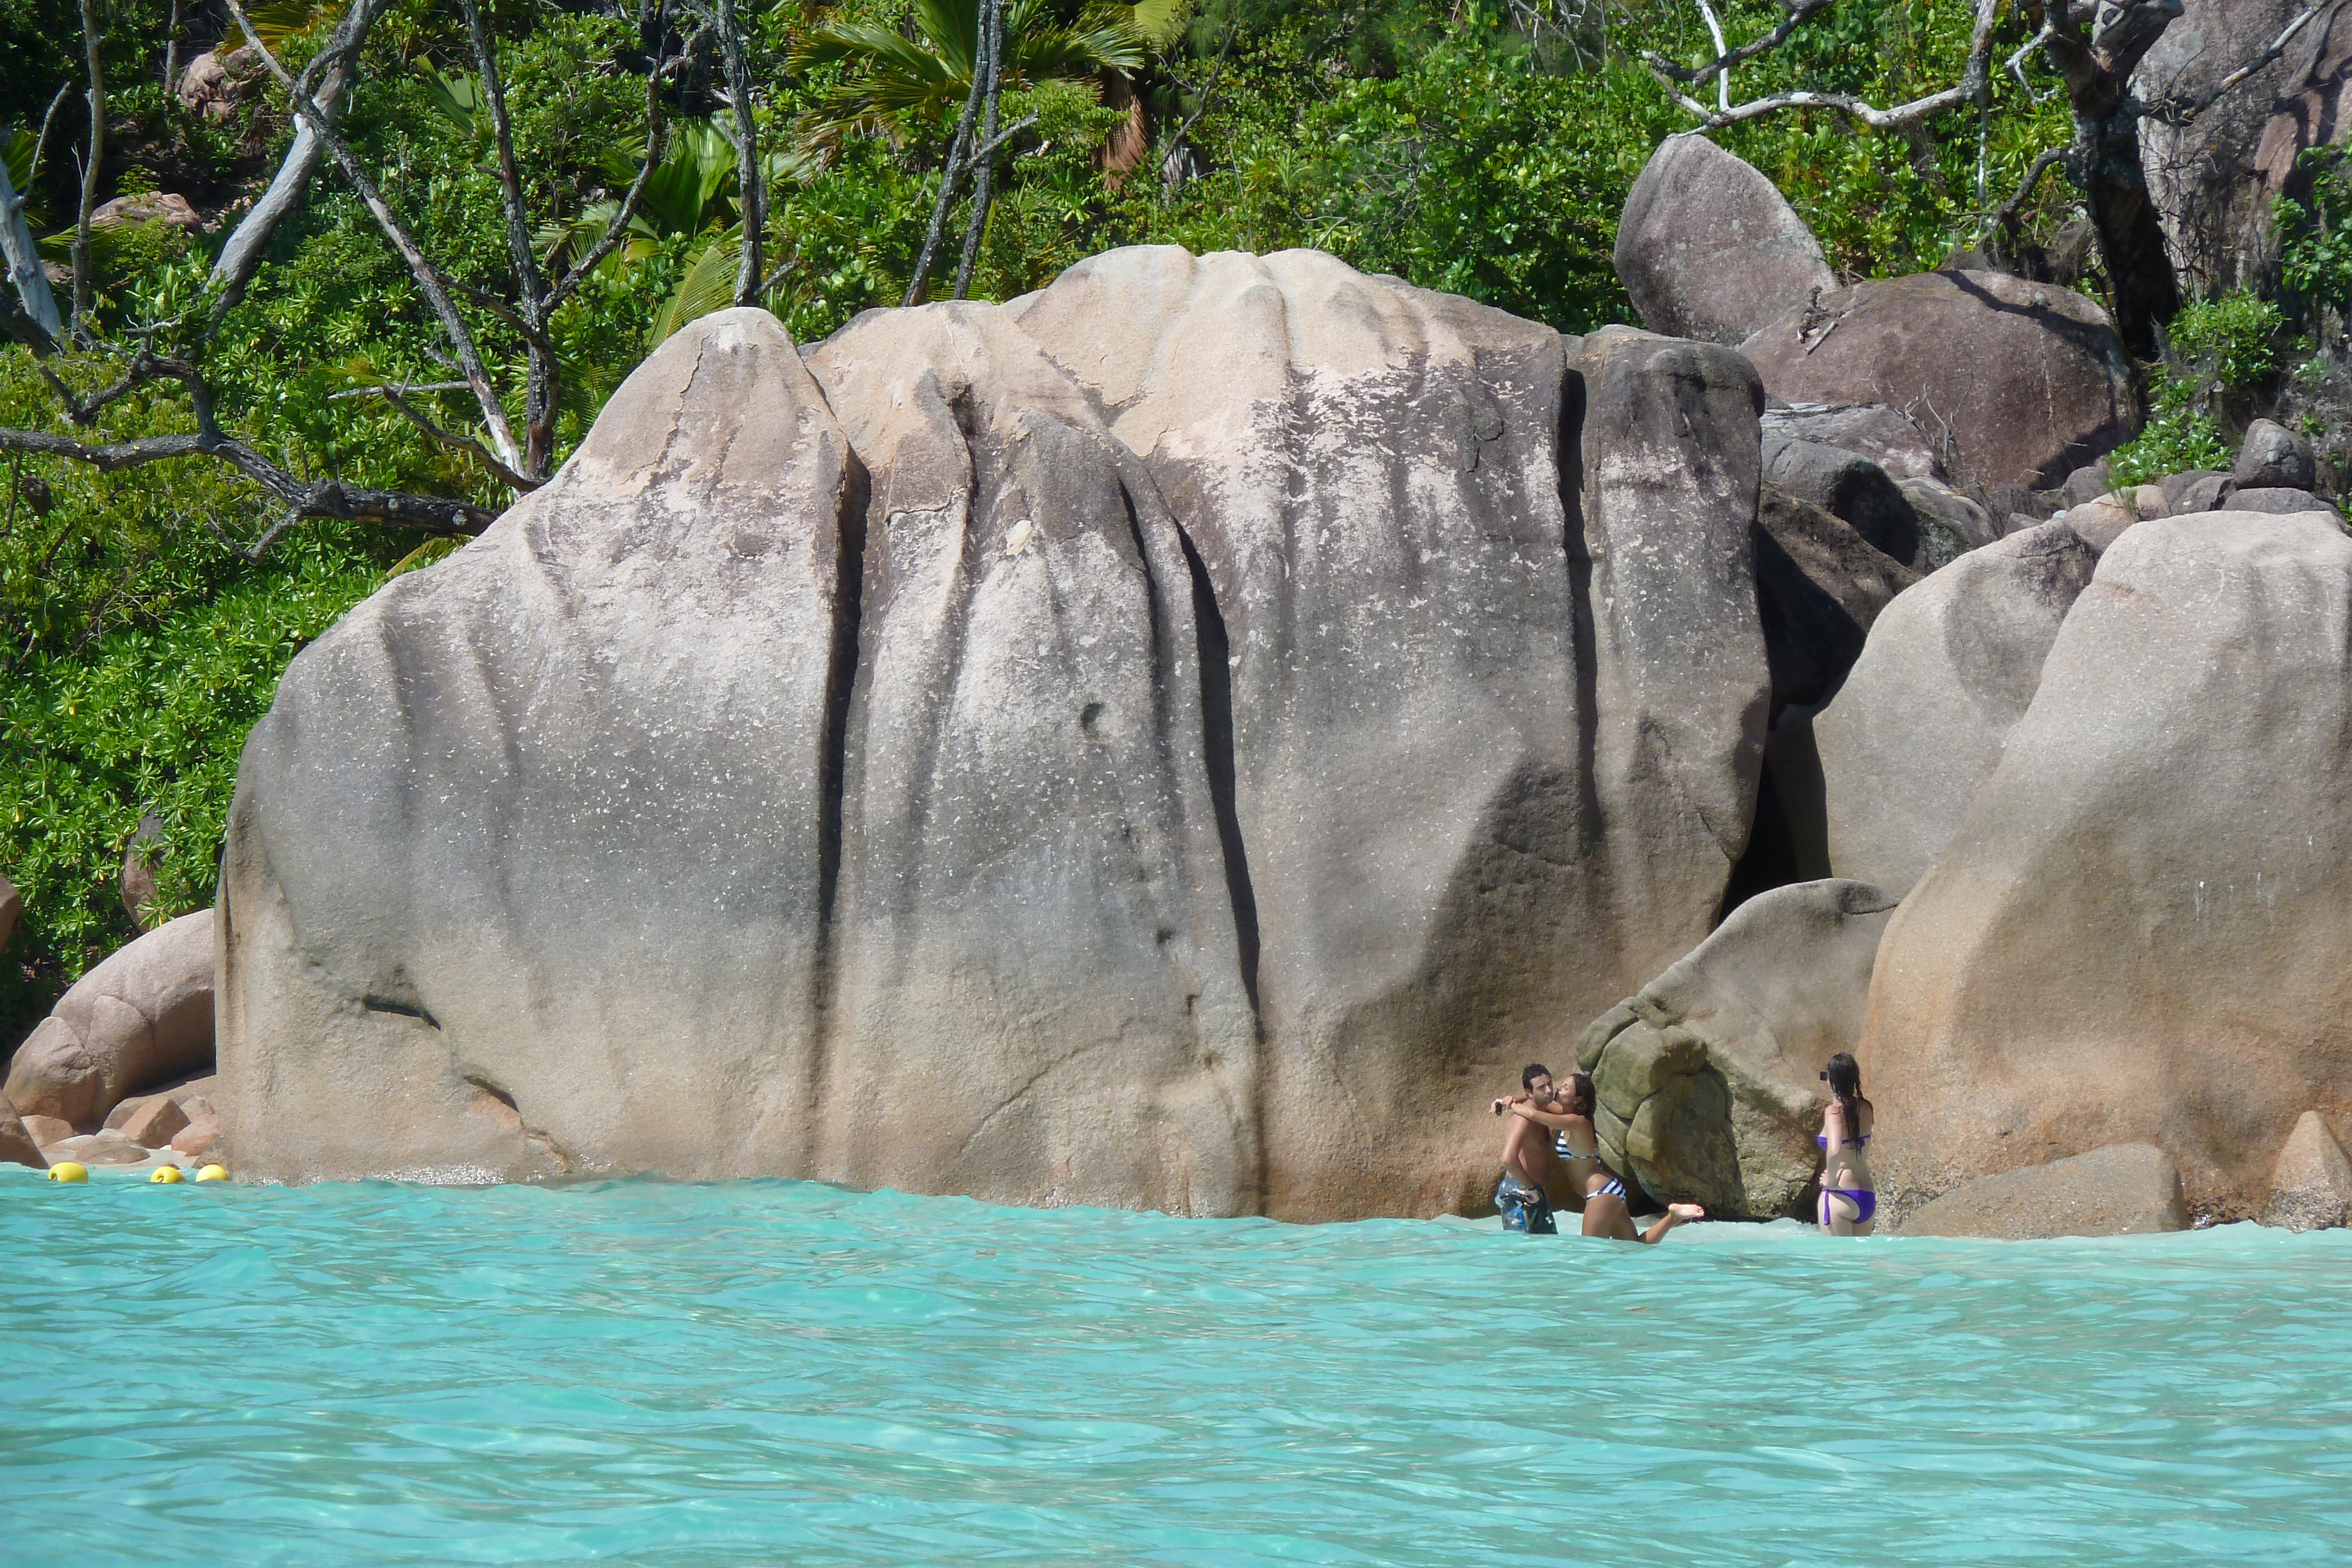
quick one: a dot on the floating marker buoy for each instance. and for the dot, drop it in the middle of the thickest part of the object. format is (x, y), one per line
(66, 1170)
(167, 1175)
(212, 1173)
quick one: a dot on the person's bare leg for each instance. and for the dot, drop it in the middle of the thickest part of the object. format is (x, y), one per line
(1839, 1213)
(1676, 1214)
(1605, 1215)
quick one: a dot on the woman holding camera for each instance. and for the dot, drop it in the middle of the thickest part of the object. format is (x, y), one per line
(1849, 1196)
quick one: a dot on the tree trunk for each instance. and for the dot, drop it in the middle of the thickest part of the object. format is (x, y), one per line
(2131, 239)
(25, 274)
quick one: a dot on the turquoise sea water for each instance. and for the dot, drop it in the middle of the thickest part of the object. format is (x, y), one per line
(782, 1372)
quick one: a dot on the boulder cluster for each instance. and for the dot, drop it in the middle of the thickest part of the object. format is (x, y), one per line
(2078, 793)
(1184, 738)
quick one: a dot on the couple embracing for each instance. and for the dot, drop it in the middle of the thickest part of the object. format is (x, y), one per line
(1553, 1122)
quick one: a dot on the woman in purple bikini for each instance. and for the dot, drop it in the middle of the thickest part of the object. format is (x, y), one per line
(1849, 1200)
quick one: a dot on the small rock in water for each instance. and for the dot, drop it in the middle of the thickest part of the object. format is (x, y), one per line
(201, 1134)
(108, 1148)
(156, 1122)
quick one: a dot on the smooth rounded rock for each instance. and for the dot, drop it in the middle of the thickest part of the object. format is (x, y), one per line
(2132, 934)
(2273, 458)
(1922, 719)
(1706, 248)
(142, 1015)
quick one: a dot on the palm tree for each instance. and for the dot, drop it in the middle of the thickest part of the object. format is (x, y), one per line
(970, 50)
(892, 84)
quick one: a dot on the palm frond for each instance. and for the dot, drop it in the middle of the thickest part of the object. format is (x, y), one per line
(708, 285)
(1158, 23)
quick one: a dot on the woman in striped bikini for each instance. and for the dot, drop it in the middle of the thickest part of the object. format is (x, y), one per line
(1579, 1149)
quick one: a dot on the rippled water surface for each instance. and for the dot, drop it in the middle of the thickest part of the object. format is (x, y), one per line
(779, 1372)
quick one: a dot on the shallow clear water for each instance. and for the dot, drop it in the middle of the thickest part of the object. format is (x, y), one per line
(782, 1372)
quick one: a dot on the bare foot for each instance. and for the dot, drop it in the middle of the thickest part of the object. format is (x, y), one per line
(1676, 1213)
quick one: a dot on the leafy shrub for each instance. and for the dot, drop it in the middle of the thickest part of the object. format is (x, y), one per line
(2316, 248)
(2233, 339)
(2179, 437)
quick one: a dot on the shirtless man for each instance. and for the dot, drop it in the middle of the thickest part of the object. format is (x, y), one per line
(1568, 1116)
(1527, 1157)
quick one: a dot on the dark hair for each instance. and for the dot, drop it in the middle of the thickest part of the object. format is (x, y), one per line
(1533, 1071)
(1580, 1095)
(1844, 1076)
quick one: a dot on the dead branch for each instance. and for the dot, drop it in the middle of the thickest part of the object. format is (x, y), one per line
(1966, 90)
(429, 277)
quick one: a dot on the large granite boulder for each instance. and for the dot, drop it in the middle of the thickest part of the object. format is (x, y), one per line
(1371, 476)
(2127, 1189)
(1920, 723)
(141, 1017)
(2134, 935)
(1704, 1078)
(1029, 841)
(2021, 382)
(1708, 248)
(529, 862)
(1112, 748)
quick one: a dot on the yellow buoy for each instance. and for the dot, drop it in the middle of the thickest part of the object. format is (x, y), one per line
(167, 1175)
(212, 1173)
(66, 1170)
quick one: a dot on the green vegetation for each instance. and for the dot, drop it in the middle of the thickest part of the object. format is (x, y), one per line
(1478, 146)
(2223, 351)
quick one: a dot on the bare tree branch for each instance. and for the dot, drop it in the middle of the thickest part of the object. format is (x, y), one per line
(1800, 13)
(950, 173)
(335, 65)
(983, 180)
(544, 378)
(428, 277)
(1971, 83)
(93, 157)
(455, 442)
(750, 177)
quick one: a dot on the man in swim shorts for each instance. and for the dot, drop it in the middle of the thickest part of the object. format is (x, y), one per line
(1526, 1159)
